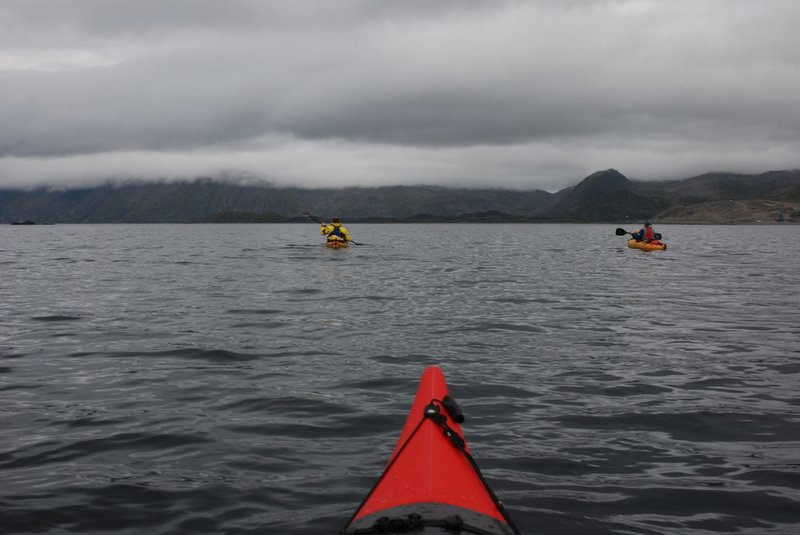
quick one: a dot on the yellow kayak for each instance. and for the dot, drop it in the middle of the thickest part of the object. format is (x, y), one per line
(647, 246)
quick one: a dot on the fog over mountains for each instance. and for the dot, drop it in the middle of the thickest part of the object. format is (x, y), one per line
(605, 196)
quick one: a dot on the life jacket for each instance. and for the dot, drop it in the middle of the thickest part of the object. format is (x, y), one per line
(649, 234)
(336, 232)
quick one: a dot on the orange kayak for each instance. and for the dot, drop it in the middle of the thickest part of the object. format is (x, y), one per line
(647, 246)
(431, 483)
(336, 244)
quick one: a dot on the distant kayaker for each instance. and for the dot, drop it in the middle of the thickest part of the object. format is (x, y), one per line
(335, 231)
(645, 234)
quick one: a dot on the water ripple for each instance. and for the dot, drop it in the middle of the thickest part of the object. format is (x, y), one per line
(220, 379)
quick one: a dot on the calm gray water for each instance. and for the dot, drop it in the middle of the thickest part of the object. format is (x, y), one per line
(244, 379)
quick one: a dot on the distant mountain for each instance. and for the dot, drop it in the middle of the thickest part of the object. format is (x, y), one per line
(774, 195)
(734, 211)
(608, 196)
(605, 196)
(727, 186)
(210, 201)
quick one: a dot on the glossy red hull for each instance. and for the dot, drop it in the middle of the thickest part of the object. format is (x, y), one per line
(431, 475)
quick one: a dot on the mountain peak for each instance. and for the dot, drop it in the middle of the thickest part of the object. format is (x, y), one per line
(605, 180)
(601, 184)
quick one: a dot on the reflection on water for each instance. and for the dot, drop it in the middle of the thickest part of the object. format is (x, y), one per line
(238, 378)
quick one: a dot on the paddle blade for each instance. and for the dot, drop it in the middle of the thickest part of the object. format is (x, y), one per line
(621, 232)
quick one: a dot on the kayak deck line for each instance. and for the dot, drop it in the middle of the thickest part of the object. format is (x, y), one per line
(431, 483)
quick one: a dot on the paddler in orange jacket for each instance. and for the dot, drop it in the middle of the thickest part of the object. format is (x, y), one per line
(335, 231)
(646, 233)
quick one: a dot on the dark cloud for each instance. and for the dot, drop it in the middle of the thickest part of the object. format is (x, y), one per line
(519, 93)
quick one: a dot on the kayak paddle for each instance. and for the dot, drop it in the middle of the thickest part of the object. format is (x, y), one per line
(313, 218)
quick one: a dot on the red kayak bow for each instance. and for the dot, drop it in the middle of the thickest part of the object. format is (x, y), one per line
(431, 483)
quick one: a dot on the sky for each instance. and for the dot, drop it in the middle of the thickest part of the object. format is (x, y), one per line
(474, 93)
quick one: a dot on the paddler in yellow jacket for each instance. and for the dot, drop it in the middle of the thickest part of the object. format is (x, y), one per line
(335, 231)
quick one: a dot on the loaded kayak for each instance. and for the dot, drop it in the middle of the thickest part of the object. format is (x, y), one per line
(336, 244)
(647, 246)
(431, 483)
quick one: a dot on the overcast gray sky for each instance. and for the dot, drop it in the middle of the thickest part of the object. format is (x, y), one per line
(535, 94)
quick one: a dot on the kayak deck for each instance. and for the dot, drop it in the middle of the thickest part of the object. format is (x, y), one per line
(335, 244)
(431, 483)
(427, 519)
